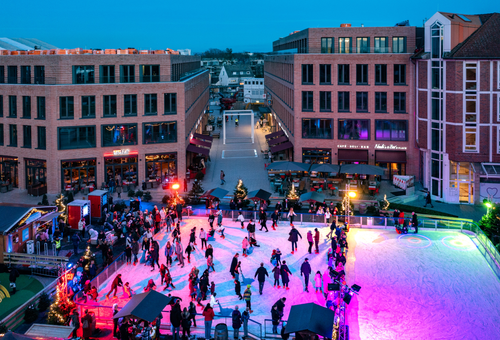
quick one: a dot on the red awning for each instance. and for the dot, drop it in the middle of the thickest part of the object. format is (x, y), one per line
(195, 149)
(281, 147)
(203, 137)
(278, 140)
(390, 156)
(200, 143)
(275, 134)
(348, 155)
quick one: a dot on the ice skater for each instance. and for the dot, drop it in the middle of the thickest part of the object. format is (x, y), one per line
(310, 241)
(305, 270)
(277, 273)
(263, 219)
(203, 238)
(275, 217)
(291, 216)
(414, 221)
(247, 295)
(117, 282)
(237, 289)
(234, 263)
(318, 281)
(316, 240)
(294, 237)
(241, 219)
(245, 245)
(284, 275)
(261, 274)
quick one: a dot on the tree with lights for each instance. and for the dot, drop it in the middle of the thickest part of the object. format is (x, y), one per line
(292, 193)
(60, 203)
(240, 192)
(62, 306)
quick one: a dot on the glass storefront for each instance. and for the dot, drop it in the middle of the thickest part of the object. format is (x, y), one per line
(161, 166)
(317, 156)
(122, 169)
(392, 169)
(36, 173)
(8, 171)
(77, 173)
(117, 135)
(462, 178)
(394, 163)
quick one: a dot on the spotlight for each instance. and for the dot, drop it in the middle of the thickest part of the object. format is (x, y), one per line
(356, 288)
(352, 194)
(70, 265)
(175, 186)
(347, 298)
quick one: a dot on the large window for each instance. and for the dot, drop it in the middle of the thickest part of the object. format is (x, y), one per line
(150, 104)
(88, 106)
(316, 156)
(66, 108)
(354, 129)
(161, 166)
(399, 102)
(307, 101)
(12, 106)
(117, 135)
(107, 74)
(307, 74)
(39, 74)
(83, 74)
(1, 105)
(25, 74)
(27, 136)
(398, 44)
(1, 135)
(361, 74)
(399, 74)
(325, 101)
(42, 137)
(381, 45)
(12, 135)
(316, 128)
(127, 73)
(170, 103)
(150, 73)
(345, 45)
(80, 137)
(325, 74)
(363, 45)
(380, 102)
(159, 132)
(437, 34)
(130, 105)
(12, 74)
(361, 101)
(2, 74)
(343, 74)
(77, 173)
(40, 107)
(380, 74)
(326, 45)
(26, 107)
(109, 106)
(392, 130)
(437, 74)
(343, 103)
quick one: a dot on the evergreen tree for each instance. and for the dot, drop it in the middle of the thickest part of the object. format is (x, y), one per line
(292, 193)
(61, 307)
(240, 191)
(196, 190)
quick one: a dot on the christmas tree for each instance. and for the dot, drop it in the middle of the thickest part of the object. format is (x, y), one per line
(87, 257)
(197, 189)
(240, 192)
(62, 306)
(61, 206)
(292, 194)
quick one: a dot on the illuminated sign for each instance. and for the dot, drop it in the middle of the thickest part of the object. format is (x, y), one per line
(345, 146)
(85, 210)
(122, 152)
(377, 146)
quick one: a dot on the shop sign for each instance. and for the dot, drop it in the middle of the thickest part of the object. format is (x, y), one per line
(389, 147)
(121, 152)
(345, 146)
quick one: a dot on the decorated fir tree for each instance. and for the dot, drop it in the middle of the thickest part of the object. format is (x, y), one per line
(241, 191)
(60, 203)
(292, 193)
(62, 306)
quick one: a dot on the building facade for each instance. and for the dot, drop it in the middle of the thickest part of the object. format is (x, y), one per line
(344, 95)
(72, 120)
(458, 108)
(253, 91)
(234, 75)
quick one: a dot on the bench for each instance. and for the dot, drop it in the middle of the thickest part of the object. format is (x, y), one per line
(216, 134)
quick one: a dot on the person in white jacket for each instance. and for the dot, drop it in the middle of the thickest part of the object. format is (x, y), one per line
(203, 238)
(213, 301)
(241, 218)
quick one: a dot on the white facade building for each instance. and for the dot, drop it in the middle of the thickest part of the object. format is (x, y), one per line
(234, 74)
(253, 90)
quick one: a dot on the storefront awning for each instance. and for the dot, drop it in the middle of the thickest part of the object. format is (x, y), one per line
(50, 216)
(491, 170)
(353, 155)
(275, 134)
(278, 140)
(390, 156)
(200, 143)
(203, 137)
(281, 147)
(195, 149)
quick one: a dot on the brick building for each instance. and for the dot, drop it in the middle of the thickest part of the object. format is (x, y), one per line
(70, 119)
(458, 110)
(345, 95)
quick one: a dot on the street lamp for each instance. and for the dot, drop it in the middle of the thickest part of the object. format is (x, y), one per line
(352, 194)
(175, 186)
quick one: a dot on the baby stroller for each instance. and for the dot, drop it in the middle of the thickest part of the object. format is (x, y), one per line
(253, 242)
(402, 229)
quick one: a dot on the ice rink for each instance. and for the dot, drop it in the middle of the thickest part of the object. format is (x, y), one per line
(434, 285)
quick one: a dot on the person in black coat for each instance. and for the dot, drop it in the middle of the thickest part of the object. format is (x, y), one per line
(277, 273)
(275, 217)
(176, 319)
(237, 289)
(236, 318)
(294, 237)
(154, 258)
(234, 263)
(284, 275)
(428, 200)
(13, 275)
(209, 251)
(124, 334)
(178, 209)
(263, 219)
(414, 221)
(305, 270)
(278, 207)
(261, 274)
(280, 304)
(275, 316)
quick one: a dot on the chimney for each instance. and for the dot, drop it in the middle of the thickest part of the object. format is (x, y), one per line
(345, 25)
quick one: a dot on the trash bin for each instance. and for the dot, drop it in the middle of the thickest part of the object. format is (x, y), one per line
(221, 332)
(362, 208)
(143, 185)
(30, 247)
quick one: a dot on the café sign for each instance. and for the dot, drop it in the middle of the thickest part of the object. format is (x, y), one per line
(377, 146)
(121, 152)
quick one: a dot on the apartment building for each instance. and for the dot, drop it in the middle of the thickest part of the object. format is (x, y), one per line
(345, 95)
(70, 119)
(458, 107)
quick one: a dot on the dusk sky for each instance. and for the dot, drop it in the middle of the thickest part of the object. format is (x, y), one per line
(200, 25)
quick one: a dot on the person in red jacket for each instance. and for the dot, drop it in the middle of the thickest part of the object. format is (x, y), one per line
(209, 314)
(316, 240)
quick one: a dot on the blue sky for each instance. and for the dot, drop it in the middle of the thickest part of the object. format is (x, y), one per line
(199, 25)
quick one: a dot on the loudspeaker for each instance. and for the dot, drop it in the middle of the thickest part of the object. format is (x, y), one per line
(347, 298)
(332, 287)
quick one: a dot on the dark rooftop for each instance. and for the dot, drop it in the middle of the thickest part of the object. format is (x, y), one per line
(10, 215)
